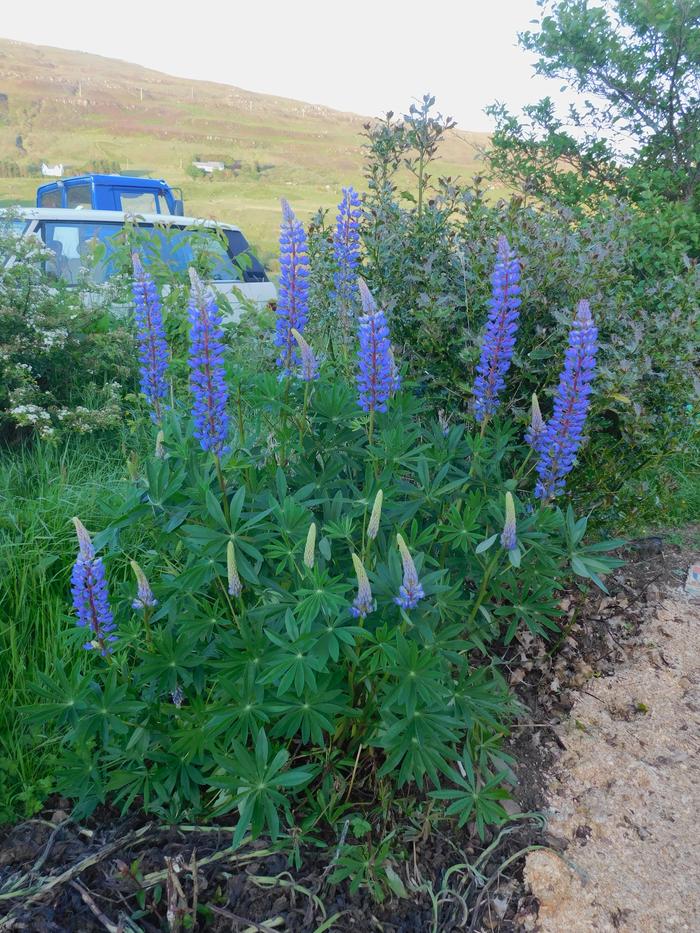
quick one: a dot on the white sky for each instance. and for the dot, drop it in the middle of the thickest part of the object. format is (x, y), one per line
(367, 56)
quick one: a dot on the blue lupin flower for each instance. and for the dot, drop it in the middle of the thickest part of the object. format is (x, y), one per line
(410, 592)
(346, 247)
(153, 347)
(90, 595)
(293, 292)
(499, 337)
(564, 430)
(207, 371)
(364, 602)
(376, 373)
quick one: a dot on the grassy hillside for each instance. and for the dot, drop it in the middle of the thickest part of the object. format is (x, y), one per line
(73, 107)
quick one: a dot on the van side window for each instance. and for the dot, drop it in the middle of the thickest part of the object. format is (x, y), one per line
(72, 244)
(138, 202)
(50, 198)
(78, 196)
(252, 270)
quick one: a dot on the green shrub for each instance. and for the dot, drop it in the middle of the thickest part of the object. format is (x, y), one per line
(428, 260)
(250, 686)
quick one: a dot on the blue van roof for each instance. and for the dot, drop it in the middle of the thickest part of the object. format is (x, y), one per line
(109, 180)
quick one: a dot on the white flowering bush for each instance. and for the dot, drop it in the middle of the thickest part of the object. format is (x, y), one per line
(64, 364)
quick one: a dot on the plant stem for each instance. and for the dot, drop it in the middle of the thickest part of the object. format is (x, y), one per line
(222, 485)
(482, 589)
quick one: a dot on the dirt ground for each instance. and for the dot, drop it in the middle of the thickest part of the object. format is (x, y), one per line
(624, 794)
(606, 745)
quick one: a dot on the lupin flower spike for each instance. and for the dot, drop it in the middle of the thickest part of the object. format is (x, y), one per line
(346, 246)
(562, 436)
(375, 378)
(375, 517)
(509, 538)
(499, 338)
(364, 602)
(144, 595)
(309, 364)
(410, 592)
(235, 587)
(310, 548)
(535, 432)
(150, 333)
(207, 371)
(293, 293)
(90, 595)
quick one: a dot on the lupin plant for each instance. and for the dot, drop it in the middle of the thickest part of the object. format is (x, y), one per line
(90, 595)
(562, 436)
(376, 376)
(207, 372)
(346, 247)
(293, 292)
(499, 338)
(300, 649)
(150, 334)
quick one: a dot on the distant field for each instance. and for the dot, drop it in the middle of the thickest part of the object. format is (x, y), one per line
(72, 107)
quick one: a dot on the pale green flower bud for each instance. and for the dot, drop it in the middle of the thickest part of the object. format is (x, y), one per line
(235, 587)
(373, 527)
(310, 546)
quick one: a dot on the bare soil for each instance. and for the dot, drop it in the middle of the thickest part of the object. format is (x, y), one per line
(606, 744)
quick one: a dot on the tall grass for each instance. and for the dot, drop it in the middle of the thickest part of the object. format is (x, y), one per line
(41, 488)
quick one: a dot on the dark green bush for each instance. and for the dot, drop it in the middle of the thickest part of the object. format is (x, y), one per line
(429, 263)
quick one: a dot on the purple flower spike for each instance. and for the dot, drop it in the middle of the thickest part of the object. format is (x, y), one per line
(153, 348)
(207, 371)
(499, 337)
(562, 436)
(90, 596)
(376, 375)
(346, 246)
(293, 293)
(410, 592)
(364, 602)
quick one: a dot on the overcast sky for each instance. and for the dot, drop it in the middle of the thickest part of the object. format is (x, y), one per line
(367, 56)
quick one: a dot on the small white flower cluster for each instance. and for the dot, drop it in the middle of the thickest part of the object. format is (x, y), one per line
(33, 416)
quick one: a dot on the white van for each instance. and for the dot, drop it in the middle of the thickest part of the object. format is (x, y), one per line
(71, 236)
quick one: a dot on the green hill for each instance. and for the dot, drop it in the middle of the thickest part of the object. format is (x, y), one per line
(77, 108)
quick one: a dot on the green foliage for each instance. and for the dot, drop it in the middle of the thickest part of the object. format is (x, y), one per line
(637, 63)
(277, 703)
(633, 261)
(41, 488)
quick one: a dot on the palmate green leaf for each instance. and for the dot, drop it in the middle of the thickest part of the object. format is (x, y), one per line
(416, 675)
(325, 597)
(294, 664)
(334, 633)
(418, 745)
(474, 798)
(255, 785)
(62, 696)
(106, 709)
(309, 716)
